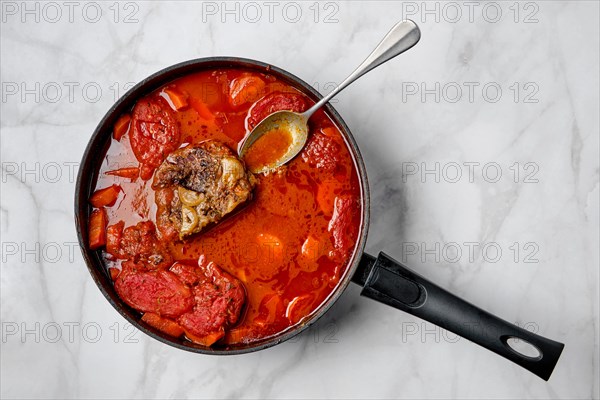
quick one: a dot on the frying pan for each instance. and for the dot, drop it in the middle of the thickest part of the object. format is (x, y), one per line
(382, 278)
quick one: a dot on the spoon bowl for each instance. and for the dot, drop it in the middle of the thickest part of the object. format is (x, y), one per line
(274, 141)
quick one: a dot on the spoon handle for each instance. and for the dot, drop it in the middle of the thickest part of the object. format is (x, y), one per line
(401, 37)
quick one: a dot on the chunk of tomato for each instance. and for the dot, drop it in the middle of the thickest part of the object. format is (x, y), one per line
(276, 101)
(322, 152)
(341, 226)
(160, 292)
(114, 234)
(219, 299)
(244, 89)
(154, 132)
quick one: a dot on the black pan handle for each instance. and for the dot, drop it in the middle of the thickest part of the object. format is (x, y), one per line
(388, 281)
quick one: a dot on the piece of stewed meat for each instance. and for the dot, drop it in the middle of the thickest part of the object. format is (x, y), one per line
(198, 185)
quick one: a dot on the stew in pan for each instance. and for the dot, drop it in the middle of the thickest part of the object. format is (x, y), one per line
(198, 245)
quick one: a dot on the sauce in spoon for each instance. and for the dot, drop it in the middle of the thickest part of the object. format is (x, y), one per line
(267, 150)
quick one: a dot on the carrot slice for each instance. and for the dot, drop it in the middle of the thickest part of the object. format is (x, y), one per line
(202, 109)
(129, 172)
(179, 99)
(105, 197)
(165, 325)
(98, 221)
(330, 131)
(114, 273)
(299, 307)
(239, 335)
(207, 340)
(121, 126)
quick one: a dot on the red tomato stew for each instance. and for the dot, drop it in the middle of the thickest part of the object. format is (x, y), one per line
(201, 247)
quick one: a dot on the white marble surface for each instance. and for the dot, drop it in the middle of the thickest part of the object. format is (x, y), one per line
(61, 338)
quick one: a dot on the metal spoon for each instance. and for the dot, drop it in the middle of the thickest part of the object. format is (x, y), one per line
(400, 38)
